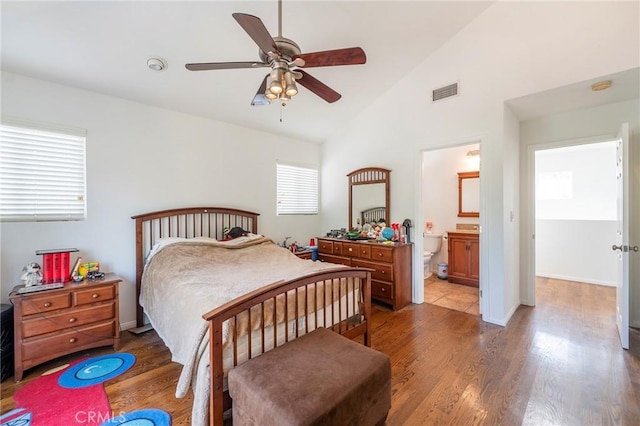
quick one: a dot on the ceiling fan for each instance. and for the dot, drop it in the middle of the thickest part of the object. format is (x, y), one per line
(286, 61)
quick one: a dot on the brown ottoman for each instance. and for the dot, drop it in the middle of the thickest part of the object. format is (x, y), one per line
(321, 378)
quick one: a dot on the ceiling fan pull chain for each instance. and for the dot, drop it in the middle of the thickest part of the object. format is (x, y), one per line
(281, 109)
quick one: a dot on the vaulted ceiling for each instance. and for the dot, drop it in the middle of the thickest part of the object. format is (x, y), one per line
(104, 47)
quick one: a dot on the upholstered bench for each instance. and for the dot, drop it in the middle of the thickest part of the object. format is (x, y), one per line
(321, 378)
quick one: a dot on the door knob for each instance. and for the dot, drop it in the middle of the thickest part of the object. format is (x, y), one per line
(624, 248)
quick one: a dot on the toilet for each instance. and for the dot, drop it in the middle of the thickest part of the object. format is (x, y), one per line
(432, 244)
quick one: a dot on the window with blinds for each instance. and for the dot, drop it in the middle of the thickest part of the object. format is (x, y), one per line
(42, 173)
(297, 189)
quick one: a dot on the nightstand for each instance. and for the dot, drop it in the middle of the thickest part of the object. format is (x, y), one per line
(303, 254)
(52, 323)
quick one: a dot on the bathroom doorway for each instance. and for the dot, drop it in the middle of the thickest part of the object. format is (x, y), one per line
(440, 215)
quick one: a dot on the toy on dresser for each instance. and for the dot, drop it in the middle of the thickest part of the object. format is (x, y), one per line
(31, 274)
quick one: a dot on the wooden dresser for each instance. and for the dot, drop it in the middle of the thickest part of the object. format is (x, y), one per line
(464, 258)
(391, 264)
(52, 323)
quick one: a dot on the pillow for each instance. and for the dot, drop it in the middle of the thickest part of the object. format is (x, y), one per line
(235, 232)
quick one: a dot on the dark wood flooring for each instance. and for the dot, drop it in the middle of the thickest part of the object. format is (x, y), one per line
(559, 363)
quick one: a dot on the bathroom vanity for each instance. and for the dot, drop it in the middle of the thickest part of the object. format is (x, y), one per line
(464, 257)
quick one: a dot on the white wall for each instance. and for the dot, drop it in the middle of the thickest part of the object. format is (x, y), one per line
(574, 234)
(576, 250)
(440, 169)
(511, 50)
(141, 159)
(596, 124)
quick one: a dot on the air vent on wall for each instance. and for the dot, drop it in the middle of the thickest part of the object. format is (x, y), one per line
(444, 92)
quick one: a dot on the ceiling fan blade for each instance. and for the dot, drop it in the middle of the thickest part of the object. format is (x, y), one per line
(330, 58)
(257, 31)
(204, 66)
(260, 98)
(319, 88)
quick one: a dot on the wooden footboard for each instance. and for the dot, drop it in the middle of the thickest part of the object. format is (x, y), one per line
(338, 299)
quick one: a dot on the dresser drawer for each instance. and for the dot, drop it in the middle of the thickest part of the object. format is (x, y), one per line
(67, 342)
(381, 271)
(337, 248)
(47, 302)
(42, 324)
(381, 290)
(384, 254)
(356, 250)
(334, 259)
(92, 295)
(325, 246)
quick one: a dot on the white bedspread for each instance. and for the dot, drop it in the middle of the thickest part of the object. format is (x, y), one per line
(184, 279)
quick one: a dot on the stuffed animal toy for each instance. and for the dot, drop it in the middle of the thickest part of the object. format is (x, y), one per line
(31, 274)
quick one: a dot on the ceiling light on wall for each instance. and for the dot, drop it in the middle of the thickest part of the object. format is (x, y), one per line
(601, 85)
(473, 153)
(156, 64)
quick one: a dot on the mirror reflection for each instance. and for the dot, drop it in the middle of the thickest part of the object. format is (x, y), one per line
(469, 194)
(368, 196)
(368, 203)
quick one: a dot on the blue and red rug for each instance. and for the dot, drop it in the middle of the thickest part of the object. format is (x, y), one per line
(74, 395)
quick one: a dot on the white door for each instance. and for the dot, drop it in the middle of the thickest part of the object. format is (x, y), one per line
(621, 245)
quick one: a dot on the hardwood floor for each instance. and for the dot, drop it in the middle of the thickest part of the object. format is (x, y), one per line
(559, 363)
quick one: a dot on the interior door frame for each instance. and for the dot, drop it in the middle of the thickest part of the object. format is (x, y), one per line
(529, 296)
(418, 244)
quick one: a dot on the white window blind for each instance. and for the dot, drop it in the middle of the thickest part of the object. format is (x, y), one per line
(42, 173)
(297, 189)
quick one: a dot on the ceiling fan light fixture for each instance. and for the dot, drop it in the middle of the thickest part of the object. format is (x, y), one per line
(290, 84)
(275, 86)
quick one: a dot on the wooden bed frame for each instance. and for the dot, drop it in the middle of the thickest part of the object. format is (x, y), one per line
(373, 214)
(210, 222)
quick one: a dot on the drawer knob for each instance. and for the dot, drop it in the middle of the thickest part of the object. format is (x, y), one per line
(383, 289)
(72, 319)
(47, 304)
(95, 296)
(72, 340)
(382, 272)
(350, 249)
(379, 254)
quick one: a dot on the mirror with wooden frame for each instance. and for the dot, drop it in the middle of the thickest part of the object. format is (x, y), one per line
(368, 196)
(469, 194)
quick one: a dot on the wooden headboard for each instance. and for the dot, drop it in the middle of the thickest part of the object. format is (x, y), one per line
(189, 222)
(374, 214)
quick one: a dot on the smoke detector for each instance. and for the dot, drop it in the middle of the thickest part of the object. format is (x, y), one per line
(156, 64)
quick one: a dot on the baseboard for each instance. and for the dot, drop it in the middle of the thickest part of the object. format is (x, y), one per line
(576, 279)
(127, 325)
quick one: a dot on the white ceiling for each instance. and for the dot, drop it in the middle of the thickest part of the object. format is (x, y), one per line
(625, 86)
(104, 47)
